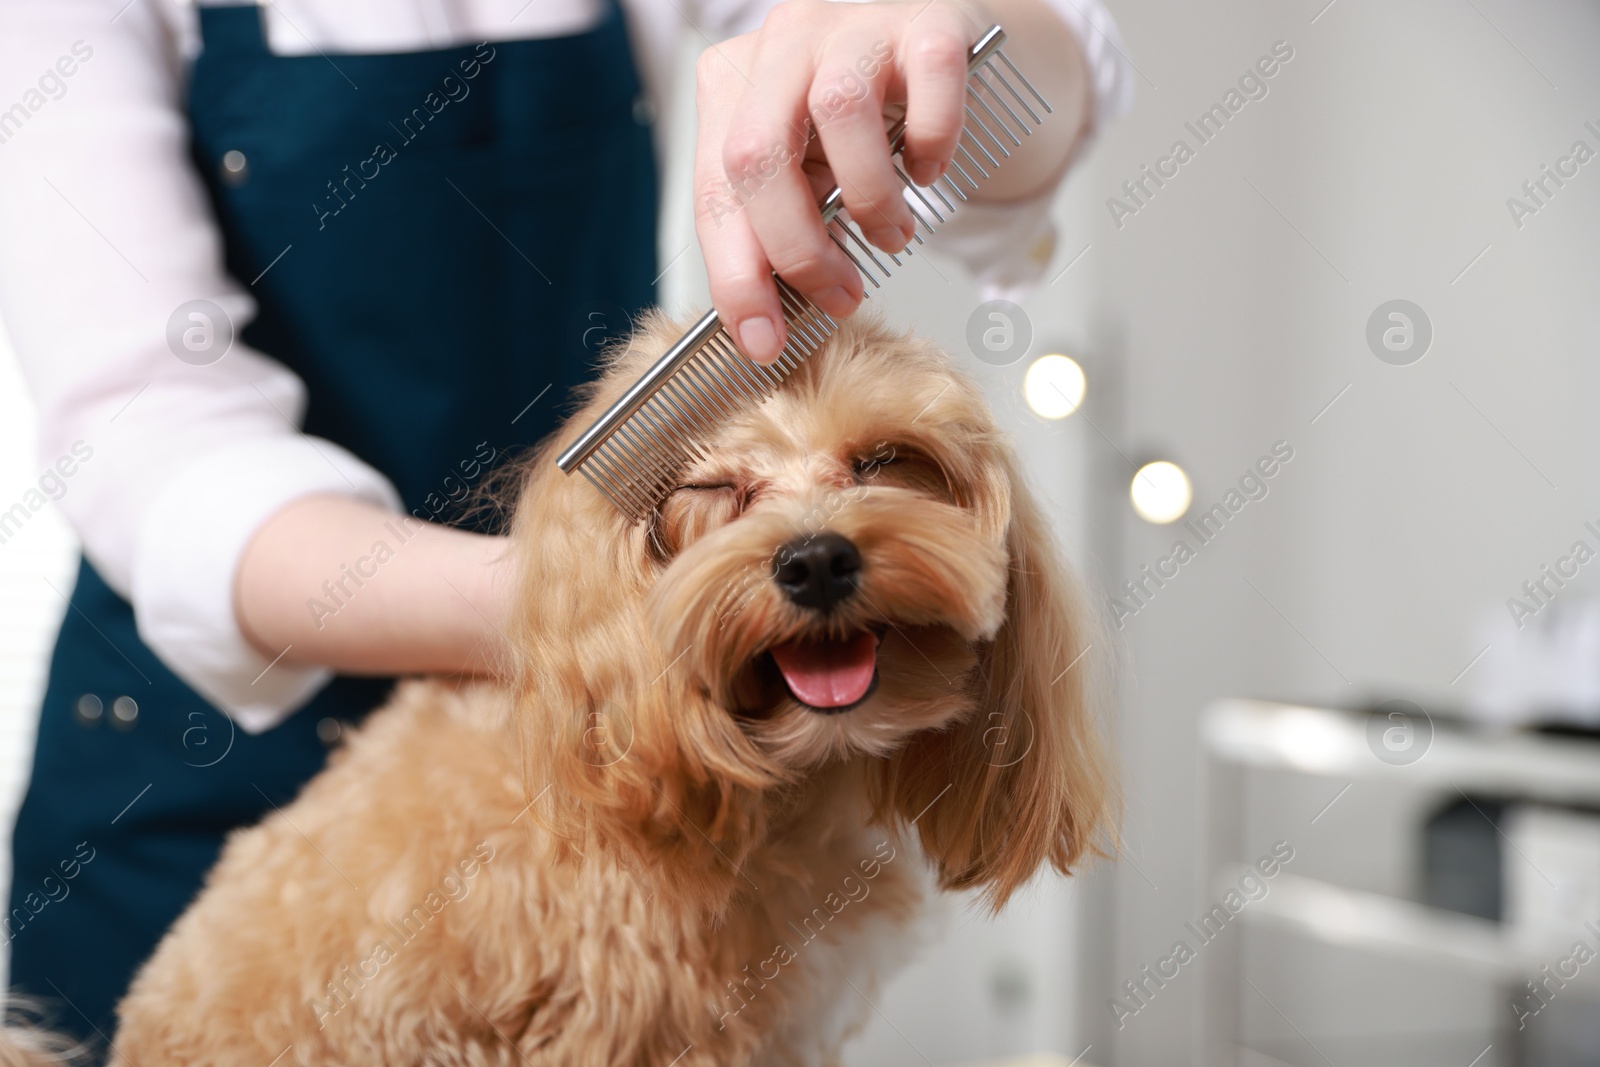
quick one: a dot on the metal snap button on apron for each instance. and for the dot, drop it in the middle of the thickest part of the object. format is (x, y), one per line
(88, 710)
(124, 712)
(235, 167)
(328, 730)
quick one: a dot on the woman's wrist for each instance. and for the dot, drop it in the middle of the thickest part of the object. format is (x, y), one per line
(1045, 48)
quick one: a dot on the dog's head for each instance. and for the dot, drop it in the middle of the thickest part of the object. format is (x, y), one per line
(852, 574)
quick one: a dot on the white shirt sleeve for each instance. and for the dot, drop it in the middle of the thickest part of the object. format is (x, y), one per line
(107, 233)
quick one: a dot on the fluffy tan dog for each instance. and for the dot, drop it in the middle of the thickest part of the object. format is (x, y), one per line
(742, 743)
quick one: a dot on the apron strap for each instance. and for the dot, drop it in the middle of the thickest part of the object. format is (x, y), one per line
(236, 28)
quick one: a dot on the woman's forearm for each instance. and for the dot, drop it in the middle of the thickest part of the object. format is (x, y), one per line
(1045, 49)
(344, 584)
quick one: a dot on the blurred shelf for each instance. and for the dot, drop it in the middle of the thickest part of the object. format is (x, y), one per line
(1352, 918)
(1427, 1048)
(1454, 758)
(1333, 743)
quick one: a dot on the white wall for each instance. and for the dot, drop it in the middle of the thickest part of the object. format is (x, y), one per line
(1384, 153)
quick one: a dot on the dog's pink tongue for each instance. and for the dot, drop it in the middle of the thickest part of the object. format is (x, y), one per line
(829, 674)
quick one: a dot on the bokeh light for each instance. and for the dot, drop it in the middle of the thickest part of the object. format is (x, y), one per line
(1054, 386)
(1161, 492)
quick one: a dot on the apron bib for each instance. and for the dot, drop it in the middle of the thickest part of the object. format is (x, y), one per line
(440, 242)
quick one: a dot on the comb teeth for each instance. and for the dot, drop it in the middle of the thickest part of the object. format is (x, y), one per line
(636, 451)
(638, 461)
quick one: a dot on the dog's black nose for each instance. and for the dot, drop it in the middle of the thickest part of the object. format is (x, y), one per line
(818, 572)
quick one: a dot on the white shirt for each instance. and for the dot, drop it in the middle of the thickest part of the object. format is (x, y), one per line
(105, 230)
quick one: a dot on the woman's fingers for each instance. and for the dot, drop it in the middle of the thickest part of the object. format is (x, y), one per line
(935, 65)
(815, 81)
(781, 208)
(736, 266)
(846, 102)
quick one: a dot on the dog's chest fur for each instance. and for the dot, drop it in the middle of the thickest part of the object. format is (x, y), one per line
(839, 983)
(405, 910)
(836, 933)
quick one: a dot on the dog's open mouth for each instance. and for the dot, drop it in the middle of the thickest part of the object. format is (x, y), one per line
(829, 675)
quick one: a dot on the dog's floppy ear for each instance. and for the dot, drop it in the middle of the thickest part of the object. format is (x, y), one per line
(1022, 781)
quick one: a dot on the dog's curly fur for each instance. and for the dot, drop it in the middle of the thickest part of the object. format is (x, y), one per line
(645, 850)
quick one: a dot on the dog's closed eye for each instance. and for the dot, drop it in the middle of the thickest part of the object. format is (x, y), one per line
(691, 511)
(905, 467)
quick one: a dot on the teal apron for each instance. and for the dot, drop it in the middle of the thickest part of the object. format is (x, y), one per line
(439, 242)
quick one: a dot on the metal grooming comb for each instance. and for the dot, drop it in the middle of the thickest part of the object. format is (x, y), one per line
(635, 451)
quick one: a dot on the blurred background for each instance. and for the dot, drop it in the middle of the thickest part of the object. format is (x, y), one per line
(1355, 325)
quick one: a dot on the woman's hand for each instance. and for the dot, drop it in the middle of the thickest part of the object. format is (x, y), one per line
(800, 105)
